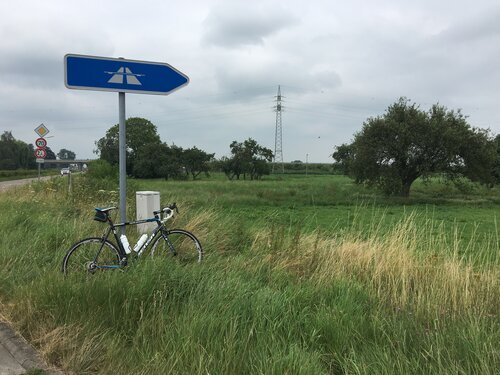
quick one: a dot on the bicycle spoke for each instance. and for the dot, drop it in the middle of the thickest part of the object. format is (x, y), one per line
(180, 245)
(87, 256)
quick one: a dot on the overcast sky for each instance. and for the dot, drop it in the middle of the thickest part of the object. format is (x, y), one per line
(338, 63)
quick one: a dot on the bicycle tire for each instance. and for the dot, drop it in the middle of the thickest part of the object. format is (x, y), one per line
(80, 257)
(179, 244)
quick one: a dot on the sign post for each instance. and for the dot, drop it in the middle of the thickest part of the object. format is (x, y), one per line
(120, 75)
(40, 155)
(122, 157)
(40, 144)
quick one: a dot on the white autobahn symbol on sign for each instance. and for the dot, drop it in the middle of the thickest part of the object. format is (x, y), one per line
(123, 74)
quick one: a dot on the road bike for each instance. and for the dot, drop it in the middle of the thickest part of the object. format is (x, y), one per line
(95, 254)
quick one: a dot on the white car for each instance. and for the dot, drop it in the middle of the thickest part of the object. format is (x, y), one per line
(65, 171)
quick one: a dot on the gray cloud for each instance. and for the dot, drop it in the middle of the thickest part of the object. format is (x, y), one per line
(257, 80)
(234, 25)
(32, 71)
(476, 27)
(337, 63)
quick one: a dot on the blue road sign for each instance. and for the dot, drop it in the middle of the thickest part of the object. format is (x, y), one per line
(121, 75)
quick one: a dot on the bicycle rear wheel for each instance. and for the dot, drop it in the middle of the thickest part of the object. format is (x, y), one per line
(91, 255)
(179, 244)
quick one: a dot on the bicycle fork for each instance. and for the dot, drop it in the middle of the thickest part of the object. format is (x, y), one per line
(169, 243)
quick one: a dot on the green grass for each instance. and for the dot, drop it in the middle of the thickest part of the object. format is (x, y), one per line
(302, 276)
(335, 205)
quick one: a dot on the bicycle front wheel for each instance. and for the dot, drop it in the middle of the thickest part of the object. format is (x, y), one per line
(180, 244)
(91, 255)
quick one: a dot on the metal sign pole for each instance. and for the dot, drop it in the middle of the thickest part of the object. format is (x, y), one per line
(122, 158)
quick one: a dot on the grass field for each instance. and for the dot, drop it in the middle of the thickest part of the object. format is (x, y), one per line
(334, 206)
(303, 275)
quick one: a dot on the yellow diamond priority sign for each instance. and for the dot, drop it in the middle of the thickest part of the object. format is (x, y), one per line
(41, 130)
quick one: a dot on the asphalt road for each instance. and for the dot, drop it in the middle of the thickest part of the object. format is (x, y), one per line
(4, 185)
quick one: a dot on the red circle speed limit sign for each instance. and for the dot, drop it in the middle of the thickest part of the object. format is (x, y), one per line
(40, 153)
(41, 143)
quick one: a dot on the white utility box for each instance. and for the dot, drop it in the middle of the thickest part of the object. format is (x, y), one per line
(146, 203)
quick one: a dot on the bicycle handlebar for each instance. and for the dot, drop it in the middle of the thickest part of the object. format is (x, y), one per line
(171, 207)
(167, 211)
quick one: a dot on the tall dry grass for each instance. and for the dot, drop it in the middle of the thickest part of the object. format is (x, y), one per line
(400, 268)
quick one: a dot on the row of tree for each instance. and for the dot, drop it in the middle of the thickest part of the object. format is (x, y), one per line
(16, 154)
(248, 158)
(406, 143)
(391, 151)
(149, 157)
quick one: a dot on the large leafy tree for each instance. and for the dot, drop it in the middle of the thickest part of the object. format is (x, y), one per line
(147, 166)
(496, 166)
(8, 151)
(14, 153)
(196, 161)
(148, 156)
(50, 154)
(26, 155)
(406, 143)
(139, 132)
(159, 160)
(170, 162)
(173, 168)
(247, 158)
(65, 154)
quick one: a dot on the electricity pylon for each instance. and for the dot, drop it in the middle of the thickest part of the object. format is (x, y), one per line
(278, 137)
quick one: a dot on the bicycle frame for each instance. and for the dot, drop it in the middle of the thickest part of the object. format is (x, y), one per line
(101, 252)
(123, 254)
